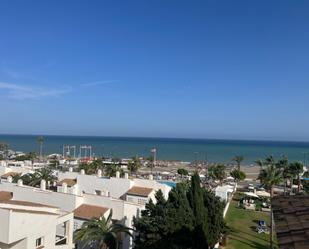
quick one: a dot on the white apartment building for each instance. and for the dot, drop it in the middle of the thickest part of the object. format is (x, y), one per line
(88, 196)
(28, 225)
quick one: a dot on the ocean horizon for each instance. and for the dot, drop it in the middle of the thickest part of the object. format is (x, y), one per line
(182, 149)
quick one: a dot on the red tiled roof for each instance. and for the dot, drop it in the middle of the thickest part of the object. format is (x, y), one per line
(68, 181)
(6, 175)
(140, 191)
(87, 212)
(4, 195)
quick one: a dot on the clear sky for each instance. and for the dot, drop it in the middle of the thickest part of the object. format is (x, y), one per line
(205, 69)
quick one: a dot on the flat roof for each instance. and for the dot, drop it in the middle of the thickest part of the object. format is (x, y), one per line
(291, 216)
(25, 203)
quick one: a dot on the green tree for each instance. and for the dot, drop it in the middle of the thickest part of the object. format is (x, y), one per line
(111, 169)
(34, 179)
(270, 177)
(29, 156)
(217, 172)
(283, 165)
(190, 218)
(16, 177)
(182, 172)
(40, 141)
(296, 169)
(100, 233)
(260, 163)
(238, 160)
(4, 147)
(238, 175)
(134, 165)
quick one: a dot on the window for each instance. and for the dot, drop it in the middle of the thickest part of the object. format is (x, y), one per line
(141, 201)
(98, 192)
(39, 242)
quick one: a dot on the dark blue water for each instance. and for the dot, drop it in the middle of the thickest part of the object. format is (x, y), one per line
(167, 148)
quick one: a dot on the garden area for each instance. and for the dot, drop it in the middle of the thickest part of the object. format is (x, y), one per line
(243, 227)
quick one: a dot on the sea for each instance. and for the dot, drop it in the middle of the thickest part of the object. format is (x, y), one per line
(186, 150)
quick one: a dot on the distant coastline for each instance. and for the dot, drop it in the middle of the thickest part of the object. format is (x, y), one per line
(182, 149)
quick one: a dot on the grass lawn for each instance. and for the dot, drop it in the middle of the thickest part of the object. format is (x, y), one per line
(242, 224)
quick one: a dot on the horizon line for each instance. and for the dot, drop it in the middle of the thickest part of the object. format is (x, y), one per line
(158, 137)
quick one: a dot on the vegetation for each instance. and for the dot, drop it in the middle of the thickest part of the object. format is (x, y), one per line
(182, 172)
(296, 169)
(191, 218)
(134, 165)
(40, 141)
(270, 176)
(111, 169)
(242, 228)
(100, 233)
(91, 168)
(217, 172)
(29, 156)
(238, 175)
(238, 160)
(4, 148)
(34, 179)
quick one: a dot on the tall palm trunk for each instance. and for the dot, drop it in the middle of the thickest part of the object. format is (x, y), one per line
(271, 219)
(298, 183)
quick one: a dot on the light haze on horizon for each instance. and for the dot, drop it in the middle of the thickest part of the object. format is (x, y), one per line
(189, 69)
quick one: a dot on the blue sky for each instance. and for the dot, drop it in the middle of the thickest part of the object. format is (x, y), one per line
(205, 69)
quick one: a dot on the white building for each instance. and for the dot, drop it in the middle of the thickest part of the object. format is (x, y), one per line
(224, 192)
(28, 225)
(88, 196)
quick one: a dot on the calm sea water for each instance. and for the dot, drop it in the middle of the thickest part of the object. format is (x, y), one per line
(167, 148)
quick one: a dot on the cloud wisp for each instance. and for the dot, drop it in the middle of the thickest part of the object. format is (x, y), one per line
(17, 91)
(98, 83)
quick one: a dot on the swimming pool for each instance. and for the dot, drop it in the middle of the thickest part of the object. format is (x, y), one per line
(168, 183)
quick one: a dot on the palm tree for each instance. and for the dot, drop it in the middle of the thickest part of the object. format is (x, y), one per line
(296, 169)
(238, 160)
(134, 165)
(100, 232)
(283, 165)
(217, 172)
(260, 163)
(4, 147)
(34, 179)
(40, 140)
(270, 176)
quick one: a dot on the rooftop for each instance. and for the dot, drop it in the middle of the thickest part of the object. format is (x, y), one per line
(5, 195)
(68, 181)
(140, 191)
(291, 215)
(6, 175)
(88, 212)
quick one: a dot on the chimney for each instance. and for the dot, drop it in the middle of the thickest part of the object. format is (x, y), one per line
(99, 173)
(70, 169)
(117, 174)
(9, 179)
(150, 177)
(64, 188)
(82, 172)
(126, 175)
(43, 184)
(107, 193)
(20, 182)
